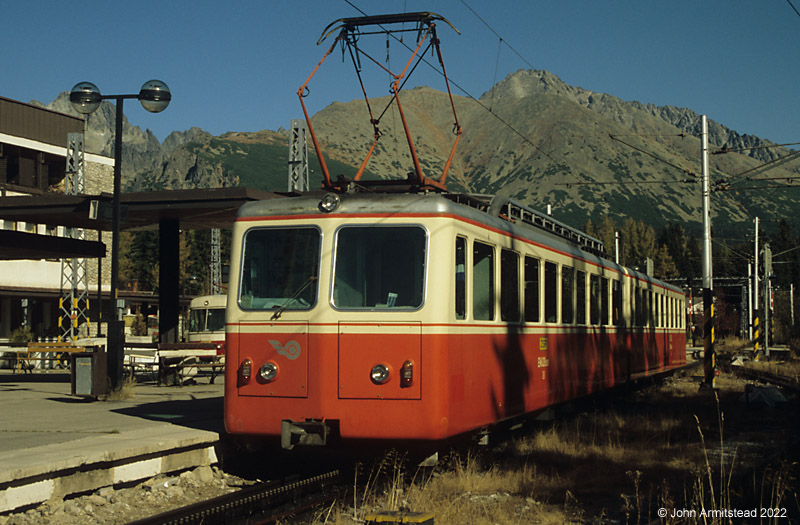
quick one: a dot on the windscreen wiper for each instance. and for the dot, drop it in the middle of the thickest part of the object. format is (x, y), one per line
(294, 296)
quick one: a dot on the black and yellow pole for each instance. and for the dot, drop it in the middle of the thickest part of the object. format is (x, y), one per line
(756, 336)
(710, 356)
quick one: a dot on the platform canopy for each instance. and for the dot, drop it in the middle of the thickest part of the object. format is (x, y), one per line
(192, 209)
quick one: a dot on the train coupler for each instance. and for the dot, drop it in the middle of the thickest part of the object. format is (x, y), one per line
(309, 432)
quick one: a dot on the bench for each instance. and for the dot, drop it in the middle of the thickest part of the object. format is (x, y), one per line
(176, 361)
(24, 356)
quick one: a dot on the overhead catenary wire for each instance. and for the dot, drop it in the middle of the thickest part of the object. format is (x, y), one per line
(649, 154)
(467, 93)
(502, 40)
(793, 7)
(601, 182)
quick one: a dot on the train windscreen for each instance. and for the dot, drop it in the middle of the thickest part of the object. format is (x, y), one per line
(379, 267)
(207, 320)
(280, 269)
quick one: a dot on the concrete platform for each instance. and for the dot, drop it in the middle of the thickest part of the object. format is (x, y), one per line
(53, 444)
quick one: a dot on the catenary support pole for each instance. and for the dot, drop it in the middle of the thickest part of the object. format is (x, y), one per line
(709, 365)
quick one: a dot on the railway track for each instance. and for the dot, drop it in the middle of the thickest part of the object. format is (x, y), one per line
(263, 503)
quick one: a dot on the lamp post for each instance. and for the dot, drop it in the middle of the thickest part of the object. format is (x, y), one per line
(85, 98)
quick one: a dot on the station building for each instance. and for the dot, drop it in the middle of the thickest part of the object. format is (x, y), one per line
(33, 162)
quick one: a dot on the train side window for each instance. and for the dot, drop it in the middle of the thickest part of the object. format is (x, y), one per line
(580, 297)
(594, 299)
(603, 301)
(616, 303)
(509, 286)
(550, 298)
(531, 290)
(461, 278)
(650, 309)
(567, 294)
(482, 281)
(638, 315)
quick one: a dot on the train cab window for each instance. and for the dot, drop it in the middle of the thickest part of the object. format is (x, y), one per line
(531, 290)
(379, 267)
(580, 297)
(482, 281)
(280, 269)
(594, 299)
(616, 303)
(509, 286)
(550, 297)
(603, 300)
(461, 278)
(567, 294)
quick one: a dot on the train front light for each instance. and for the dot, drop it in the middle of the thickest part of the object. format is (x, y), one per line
(379, 374)
(407, 374)
(246, 370)
(268, 372)
(329, 202)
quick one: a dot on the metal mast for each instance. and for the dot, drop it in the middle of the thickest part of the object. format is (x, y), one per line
(216, 263)
(298, 157)
(74, 301)
(708, 295)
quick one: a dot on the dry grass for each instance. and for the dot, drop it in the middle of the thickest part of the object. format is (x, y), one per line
(127, 390)
(619, 462)
(790, 369)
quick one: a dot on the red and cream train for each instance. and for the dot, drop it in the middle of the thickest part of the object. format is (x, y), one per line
(423, 316)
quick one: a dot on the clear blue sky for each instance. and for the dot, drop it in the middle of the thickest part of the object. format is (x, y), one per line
(235, 65)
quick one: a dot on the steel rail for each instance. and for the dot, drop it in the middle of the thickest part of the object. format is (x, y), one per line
(262, 503)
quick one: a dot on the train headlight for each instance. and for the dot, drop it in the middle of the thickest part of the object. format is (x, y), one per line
(269, 371)
(407, 374)
(329, 202)
(379, 374)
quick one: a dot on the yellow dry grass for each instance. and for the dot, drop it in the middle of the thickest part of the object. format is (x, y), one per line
(665, 448)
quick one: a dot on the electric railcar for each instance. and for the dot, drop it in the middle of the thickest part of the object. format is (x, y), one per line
(426, 316)
(207, 320)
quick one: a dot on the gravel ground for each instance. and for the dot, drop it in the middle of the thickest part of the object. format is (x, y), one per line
(151, 497)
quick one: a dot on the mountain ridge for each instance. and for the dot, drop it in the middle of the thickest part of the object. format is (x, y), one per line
(543, 142)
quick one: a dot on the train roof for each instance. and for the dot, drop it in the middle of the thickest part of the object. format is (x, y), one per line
(494, 212)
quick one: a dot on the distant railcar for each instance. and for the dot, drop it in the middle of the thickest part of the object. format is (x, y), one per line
(207, 320)
(423, 316)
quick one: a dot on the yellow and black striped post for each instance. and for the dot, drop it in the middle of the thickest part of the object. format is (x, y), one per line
(756, 335)
(710, 358)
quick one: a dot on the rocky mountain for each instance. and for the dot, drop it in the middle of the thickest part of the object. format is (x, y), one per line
(532, 137)
(587, 154)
